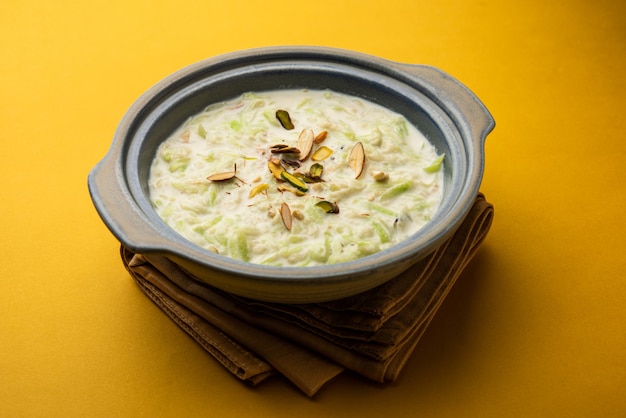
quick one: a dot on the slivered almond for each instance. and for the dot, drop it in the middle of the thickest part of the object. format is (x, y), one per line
(356, 160)
(305, 143)
(227, 175)
(319, 138)
(285, 214)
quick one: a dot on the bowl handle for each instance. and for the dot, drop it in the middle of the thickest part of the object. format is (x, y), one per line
(451, 94)
(114, 204)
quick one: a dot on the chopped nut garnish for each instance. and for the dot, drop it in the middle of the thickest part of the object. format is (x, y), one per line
(298, 215)
(227, 175)
(294, 181)
(258, 189)
(305, 143)
(290, 189)
(315, 171)
(319, 138)
(328, 207)
(291, 163)
(380, 175)
(275, 168)
(356, 160)
(284, 149)
(321, 153)
(284, 119)
(305, 177)
(285, 214)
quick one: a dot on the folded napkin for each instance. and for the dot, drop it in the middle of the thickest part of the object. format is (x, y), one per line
(372, 333)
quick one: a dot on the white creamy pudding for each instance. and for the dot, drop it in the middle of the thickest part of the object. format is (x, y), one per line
(296, 178)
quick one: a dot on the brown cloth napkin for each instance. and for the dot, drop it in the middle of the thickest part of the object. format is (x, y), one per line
(372, 333)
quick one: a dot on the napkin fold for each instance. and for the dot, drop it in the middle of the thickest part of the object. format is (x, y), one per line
(372, 333)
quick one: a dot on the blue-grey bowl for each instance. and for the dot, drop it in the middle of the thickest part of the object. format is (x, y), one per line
(450, 116)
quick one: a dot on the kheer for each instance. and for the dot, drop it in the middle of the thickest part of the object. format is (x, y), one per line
(296, 178)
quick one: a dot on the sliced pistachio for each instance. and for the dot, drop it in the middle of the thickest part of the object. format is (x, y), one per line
(319, 138)
(306, 178)
(259, 188)
(328, 207)
(356, 160)
(284, 149)
(284, 119)
(316, 170)
(305, 143)
(227, 175)
(294, 181)
(292, 163)
(285, 214)
(275, 168)
(321, 153)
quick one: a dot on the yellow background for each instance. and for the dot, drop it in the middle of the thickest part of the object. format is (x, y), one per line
(536, 325)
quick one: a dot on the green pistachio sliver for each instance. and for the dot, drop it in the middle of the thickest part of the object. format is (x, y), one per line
(306, 178)
(316, 170)
(294, 181)
(328, 207)
(321, 153)
(259, 188)
(275, 168)
(284, 119)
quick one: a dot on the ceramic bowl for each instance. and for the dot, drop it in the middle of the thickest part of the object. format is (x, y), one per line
(449, 115)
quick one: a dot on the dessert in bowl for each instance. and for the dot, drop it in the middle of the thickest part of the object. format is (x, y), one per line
(294, 174)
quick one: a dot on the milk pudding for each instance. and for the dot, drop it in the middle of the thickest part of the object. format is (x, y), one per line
(296, 178)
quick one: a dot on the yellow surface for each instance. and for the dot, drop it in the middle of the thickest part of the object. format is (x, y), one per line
(535, 327)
